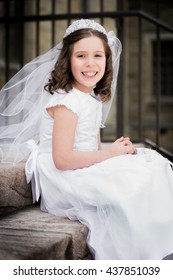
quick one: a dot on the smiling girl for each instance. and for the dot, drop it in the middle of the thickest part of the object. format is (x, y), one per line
(116, 192)
(90, 64)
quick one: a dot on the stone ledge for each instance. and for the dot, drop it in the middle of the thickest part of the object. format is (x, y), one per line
(15, 192)
(33, 234)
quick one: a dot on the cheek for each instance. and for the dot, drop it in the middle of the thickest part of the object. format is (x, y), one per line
(75, 67)
(103, 66)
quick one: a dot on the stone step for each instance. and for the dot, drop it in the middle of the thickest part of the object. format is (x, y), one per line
(33, 234)
(15, 192)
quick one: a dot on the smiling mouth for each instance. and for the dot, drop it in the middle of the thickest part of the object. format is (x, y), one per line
(89, 74)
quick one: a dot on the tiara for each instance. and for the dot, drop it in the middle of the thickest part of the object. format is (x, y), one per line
(83, 24)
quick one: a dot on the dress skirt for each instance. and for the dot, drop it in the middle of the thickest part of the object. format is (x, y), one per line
(126, 202)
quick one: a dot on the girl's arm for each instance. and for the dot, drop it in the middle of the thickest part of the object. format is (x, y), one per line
(64, 157)
(99, 142)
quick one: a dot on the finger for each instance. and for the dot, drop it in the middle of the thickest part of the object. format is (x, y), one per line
(127, 142)
(120, 139)
(133, 151)
(126, 138)
(128, 149)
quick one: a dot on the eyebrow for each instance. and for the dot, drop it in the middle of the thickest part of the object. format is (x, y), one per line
(83, 51)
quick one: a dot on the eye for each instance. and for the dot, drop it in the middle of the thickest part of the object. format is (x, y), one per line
(98, 55)
(81, 55)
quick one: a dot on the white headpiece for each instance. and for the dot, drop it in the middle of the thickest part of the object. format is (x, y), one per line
(23, 97)
(83, 24)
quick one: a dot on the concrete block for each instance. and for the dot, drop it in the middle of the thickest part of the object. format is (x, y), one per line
(33, 234)
(15, 193)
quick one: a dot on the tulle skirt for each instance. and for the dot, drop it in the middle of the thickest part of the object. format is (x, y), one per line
(126, 202)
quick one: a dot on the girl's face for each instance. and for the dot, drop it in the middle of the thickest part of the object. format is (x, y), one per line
(88, 62)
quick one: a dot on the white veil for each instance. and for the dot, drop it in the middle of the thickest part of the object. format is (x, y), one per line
(23, 98)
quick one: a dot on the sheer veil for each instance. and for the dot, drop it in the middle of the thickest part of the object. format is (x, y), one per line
(23, 98)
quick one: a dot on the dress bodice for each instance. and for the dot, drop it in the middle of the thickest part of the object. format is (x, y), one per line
(89, 112)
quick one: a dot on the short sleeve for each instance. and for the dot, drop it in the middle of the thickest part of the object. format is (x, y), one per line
(69, 100)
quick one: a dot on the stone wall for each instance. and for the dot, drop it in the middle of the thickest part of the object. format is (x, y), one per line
(131, 90)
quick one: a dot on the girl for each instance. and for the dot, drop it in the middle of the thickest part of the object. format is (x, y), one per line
(122, 194)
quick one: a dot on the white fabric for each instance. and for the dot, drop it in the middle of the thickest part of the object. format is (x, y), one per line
(126, 201)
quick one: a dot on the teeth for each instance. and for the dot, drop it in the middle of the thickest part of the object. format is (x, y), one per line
(90, 74)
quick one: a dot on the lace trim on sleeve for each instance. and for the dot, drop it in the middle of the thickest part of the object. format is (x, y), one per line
(70, 101)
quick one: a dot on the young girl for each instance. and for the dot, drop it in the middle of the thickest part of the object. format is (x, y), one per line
(122, 194)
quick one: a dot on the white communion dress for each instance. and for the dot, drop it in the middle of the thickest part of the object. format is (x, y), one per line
(126, 201)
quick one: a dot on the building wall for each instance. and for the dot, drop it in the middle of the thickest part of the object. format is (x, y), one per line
(148, 98)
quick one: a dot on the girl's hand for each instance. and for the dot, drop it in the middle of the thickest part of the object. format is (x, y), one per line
(122, 146)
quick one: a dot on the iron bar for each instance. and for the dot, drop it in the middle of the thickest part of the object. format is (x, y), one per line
(37, 27)
(7, 27)
(140, 79)
(115, 14)
(158, 81)
(53, 24)
(120, 86)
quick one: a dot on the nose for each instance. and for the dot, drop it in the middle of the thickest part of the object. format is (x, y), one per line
(90, 61)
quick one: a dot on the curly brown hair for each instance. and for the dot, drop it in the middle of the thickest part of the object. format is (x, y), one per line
(61, 76)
